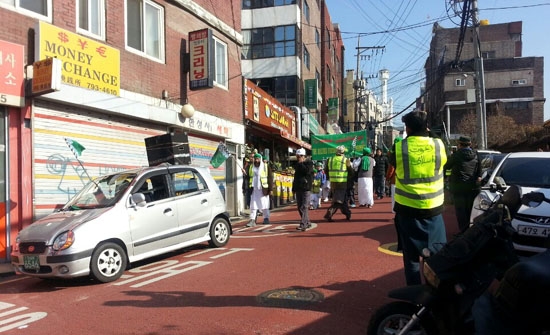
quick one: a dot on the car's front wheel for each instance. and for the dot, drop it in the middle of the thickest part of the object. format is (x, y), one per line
(219, 233)
(108, 262)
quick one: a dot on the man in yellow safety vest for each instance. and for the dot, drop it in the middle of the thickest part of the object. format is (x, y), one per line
(337, 170)
(419, 175)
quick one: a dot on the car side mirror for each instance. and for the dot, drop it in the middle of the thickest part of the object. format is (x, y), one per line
(139, 199)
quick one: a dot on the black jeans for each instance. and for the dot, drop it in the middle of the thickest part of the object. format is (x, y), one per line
(379, 185)
(302, 202)
(464, 201)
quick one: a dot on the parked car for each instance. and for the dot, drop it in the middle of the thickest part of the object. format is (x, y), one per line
(531, 171)
(121, 218)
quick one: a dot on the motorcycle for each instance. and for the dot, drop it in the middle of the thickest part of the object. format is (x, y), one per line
(455, 276)
(520, 304)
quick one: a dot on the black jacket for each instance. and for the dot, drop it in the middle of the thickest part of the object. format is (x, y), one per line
(381, 166)
(303, 176)
(465, 170)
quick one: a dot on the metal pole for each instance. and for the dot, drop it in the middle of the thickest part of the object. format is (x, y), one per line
(356, 87)
(480, 83)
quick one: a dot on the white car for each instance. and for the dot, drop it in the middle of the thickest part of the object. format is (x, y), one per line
(531, 171)
(122, 218)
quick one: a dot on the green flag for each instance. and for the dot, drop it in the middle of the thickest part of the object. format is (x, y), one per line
(220, 156)
(75, 147)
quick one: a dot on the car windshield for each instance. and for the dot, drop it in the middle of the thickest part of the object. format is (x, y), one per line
(101, 192)
(526, 171)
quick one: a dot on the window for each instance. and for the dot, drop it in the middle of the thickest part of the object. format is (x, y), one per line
(187, 182)
(317, 38)
(516, 105)
(519, 82)
(306, 57)
(145, 28)
(306, 11)
(36, 8)
(252, 4)
(220, 51)
(460, 82)
(279, 41)
(281, 88)
(488, 54)
(91, 17)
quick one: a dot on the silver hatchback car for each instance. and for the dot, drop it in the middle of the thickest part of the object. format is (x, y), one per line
(122, 218)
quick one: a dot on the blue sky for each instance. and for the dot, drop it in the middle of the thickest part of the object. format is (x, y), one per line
(406, 45)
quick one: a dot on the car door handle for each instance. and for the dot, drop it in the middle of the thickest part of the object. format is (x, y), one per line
(168, 211)
(204, 201)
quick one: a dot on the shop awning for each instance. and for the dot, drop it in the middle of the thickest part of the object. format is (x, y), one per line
(283, 133)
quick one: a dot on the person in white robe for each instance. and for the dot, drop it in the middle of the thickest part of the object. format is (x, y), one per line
(261, 183)
(364, 167)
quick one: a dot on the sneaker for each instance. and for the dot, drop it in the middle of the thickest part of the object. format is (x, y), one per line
(301, 228)
(266, 221)
(325, 200)
(308, 225)
(251, 223)
(369, 206)
(348, 217)
(352, 206)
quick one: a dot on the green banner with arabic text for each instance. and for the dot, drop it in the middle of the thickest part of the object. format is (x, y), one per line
(324, 146)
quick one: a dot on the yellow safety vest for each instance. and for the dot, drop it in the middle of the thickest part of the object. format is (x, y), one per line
(263, 176)
(419, 172)
(337, 169)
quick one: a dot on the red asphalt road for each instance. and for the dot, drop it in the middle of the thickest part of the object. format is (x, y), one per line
(218, 294)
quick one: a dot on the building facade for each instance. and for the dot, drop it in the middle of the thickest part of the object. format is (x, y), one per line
(293, 52)
(513, 83)
(126, 70)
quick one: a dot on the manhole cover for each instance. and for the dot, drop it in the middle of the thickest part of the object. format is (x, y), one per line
(290, 297)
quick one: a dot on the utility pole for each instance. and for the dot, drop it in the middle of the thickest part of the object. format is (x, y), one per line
(481, 113)
(358, 84)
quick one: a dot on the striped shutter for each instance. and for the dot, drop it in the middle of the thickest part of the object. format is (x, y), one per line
(111, 143)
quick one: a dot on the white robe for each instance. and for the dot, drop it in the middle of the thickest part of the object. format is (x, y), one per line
(257, 199)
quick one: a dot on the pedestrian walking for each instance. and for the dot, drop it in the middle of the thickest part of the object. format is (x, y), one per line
(350, 193)
(301, 186)
(337, 169)
(464, 181)
(247, 190)
(319, 179)
(379, 173)
(261, 182)
(419, 160)
(364, 167)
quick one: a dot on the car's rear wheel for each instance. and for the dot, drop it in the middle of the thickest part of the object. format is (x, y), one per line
(108, 262)
(219, 233)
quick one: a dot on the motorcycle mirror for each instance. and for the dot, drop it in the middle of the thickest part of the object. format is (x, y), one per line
(500, 183)
(512, 198)
(533, 199)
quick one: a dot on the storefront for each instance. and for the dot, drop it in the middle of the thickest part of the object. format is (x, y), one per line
(112, 143)
(270, 126)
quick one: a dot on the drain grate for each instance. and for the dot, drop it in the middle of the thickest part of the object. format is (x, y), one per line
(290, 297)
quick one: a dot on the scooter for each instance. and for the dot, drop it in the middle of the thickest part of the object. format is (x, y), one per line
(455, 276)
(520, 304)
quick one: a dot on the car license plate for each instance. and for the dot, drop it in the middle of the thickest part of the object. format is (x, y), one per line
(31, 263)
(533, 231)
